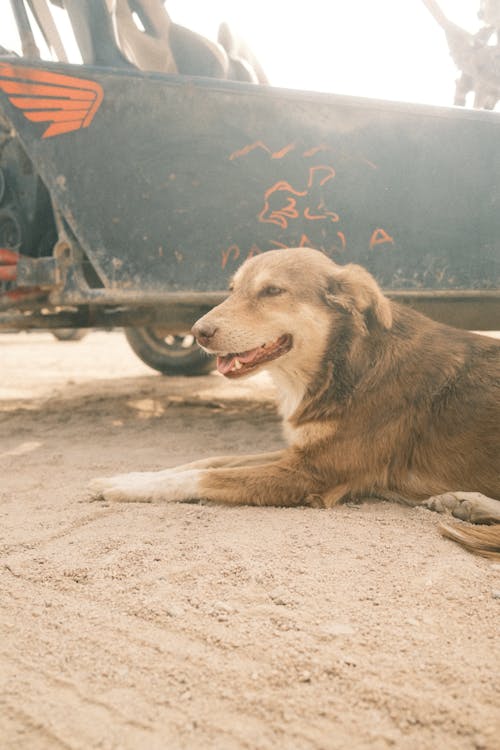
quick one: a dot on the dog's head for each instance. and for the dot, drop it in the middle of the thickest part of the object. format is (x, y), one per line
(281, 310)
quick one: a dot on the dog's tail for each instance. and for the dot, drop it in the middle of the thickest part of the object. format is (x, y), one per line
(481, 540)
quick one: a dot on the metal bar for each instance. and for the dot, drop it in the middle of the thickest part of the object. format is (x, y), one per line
(139, 297)
(474, 312)
(44, 18)
(145, 297)
(449, 295)
(22, 300)
(172, 321)
(28, 44)
(78, 13)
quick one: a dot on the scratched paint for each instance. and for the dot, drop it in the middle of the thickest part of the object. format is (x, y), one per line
(234, 254)
(280, 154)
(289, 206)
(380, 237)
(286, 206)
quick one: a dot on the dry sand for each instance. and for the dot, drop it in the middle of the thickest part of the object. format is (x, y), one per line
(144, 627)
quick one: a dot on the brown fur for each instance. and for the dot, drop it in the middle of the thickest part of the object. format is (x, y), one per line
(483, 541)
(377, 399)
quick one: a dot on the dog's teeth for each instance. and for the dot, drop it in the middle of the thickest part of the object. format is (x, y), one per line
(237, 364)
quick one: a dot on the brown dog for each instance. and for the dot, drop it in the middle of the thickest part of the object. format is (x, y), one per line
(376, 400)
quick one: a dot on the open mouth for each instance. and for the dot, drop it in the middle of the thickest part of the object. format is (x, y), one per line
(238, 364)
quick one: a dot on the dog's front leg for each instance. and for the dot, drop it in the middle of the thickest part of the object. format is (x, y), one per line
(148, 486)
(276, 483)
(280, 483)
(227, 462)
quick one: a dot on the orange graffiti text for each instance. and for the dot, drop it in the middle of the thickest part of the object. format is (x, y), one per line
(280, 215)
(260, 144)
(233, 251)
(285, 206)
(380, 237)
(323, 214)
(316, 150)
(323, 172)
(342, 239)
(283, 152)
(254, 250)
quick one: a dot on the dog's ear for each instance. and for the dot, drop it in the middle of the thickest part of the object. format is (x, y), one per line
(354, 289)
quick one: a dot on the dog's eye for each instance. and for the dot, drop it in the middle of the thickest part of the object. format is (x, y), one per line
(271, 291)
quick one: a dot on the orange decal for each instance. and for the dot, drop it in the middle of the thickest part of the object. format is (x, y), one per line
(318, 176)
(281, 215)
(380, 237)
(322, 169)
(324, 214)
(284, 151)
(260, 144)
(333, 216)
(280, 186)
(316, 150)
(254, 250)
(303, 242)
(67, 103)
(313, 217)
(232, 250)
(247, 149)
(289, 210)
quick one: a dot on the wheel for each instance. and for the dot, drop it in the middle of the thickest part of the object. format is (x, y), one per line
(168, 353)
(69, 334)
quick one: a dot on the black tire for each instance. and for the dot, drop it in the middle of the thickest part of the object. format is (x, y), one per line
(69, 334)
(168, 353)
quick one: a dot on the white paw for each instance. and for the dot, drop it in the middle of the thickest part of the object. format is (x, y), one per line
(477, 508)
(468, 506)
(147, 487)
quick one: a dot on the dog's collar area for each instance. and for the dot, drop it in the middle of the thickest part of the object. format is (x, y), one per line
(240, 363)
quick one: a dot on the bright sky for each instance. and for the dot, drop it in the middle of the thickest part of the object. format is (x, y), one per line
(388, 49)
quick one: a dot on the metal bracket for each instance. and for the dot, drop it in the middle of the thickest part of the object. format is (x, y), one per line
(38, 272)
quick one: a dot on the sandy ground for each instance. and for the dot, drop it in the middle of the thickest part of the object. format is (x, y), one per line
(201, 627)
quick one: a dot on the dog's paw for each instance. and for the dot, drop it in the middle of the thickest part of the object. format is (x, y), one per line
(122, 488)
(146, 487)
(445, 503)
(476, 508)
(468, 506)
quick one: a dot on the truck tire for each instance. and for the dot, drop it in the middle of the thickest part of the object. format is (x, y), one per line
(69, 334)
(170, 354)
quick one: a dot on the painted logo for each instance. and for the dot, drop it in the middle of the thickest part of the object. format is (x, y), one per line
(65, 102)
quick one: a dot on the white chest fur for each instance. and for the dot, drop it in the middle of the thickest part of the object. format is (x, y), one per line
(291, 389)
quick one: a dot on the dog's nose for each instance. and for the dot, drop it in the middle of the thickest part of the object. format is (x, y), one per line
(203, 332)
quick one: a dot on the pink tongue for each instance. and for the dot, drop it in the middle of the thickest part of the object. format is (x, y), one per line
(225, 364)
